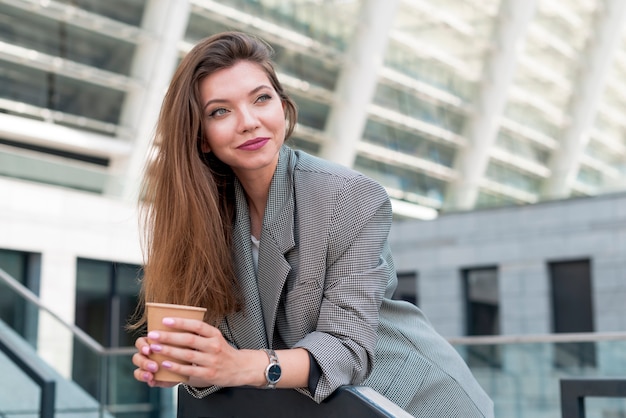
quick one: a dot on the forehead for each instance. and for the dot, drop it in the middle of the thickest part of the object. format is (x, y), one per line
(241, 78)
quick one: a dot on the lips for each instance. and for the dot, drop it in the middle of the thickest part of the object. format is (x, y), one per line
(253, 144)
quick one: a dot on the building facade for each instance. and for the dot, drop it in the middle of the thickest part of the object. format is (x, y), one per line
(459, 105)
(553, 267)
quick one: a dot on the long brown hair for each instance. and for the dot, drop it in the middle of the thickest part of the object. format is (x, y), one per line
(188, 207)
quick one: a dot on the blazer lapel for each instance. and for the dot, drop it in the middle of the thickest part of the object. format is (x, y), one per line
(246, 326)
(277, 238)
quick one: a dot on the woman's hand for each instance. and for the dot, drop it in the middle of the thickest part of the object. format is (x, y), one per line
(146, 367)
(212, 360)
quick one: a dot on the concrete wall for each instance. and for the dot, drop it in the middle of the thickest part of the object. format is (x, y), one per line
(520, 241)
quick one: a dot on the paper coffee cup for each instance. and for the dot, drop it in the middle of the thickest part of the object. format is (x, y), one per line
(156, 313)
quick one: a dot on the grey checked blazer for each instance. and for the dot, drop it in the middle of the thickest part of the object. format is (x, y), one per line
(324, 282)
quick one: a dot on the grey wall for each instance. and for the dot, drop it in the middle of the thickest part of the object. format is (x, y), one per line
(520, 241)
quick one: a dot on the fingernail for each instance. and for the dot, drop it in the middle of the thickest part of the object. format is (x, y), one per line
(168, 321)
(152, 367)
(156, 347)
(166, 364)
(154, 335)
(146, 377)
(145, 350)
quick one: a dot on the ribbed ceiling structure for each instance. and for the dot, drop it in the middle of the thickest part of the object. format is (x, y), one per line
(450, 104)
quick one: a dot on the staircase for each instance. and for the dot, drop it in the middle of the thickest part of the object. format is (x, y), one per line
(99, 383)
(20, 395)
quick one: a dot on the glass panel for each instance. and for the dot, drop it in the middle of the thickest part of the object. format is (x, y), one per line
(526, 385)
(401, 179)
(590, 177)
(304, 145)
(23, 267)
(93, 293)
(409, 143)
(405, 61)
(56, 92)
(125, 11)
(601, 152)
(407, 287)
(306, 67)
(12, 310)
(52, 170)
(483, 314)
(200, 27)
(486, 200)
(23, 84)
(605, 407)
(522, 148)
(106, 297)
(572, 310)
(511, 177)
(531, 117)
(60, 39)
(126, 298)
(483, 299)
(310, 113)
(413, 106)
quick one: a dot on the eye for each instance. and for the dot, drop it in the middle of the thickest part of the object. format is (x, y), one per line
(263, 98)
(218, 112)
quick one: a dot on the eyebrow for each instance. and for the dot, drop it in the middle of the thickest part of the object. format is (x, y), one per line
(253, 91)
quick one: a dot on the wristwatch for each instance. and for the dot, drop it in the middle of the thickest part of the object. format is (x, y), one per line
(273, 370)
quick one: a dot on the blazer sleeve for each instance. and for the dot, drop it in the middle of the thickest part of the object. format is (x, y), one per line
(356, 277)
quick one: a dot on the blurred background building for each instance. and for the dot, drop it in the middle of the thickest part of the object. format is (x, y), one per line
(467, 111)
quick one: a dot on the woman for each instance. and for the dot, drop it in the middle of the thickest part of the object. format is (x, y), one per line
(288, 252)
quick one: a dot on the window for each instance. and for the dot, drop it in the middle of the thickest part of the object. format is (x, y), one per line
(407, 287)
(106, 297)
(482, 306)
(14, 310)
(572, 311)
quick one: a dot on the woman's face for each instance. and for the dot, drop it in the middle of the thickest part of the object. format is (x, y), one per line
(244, 118)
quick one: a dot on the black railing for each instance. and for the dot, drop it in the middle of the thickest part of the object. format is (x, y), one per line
(575, 390)
(40, 376)
(244, 402)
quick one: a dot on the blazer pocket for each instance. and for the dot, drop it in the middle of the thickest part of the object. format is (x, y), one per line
(302, 297)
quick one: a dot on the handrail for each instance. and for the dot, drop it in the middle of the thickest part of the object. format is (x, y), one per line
(76, 331)
(42, 377)
(538, 338)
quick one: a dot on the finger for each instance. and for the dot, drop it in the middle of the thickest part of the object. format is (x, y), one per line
(181, 339)
(194, 326)
(141, 342)
(143, 376)
(144, 363)
(190, 370)
(180, 354)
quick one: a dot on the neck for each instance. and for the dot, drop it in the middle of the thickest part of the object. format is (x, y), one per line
(257, 188)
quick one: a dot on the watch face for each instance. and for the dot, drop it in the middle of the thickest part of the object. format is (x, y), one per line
(273, 373)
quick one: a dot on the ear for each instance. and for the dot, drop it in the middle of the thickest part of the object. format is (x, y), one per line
(204, 146)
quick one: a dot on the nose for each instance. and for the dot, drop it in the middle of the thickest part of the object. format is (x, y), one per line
(248, 120)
